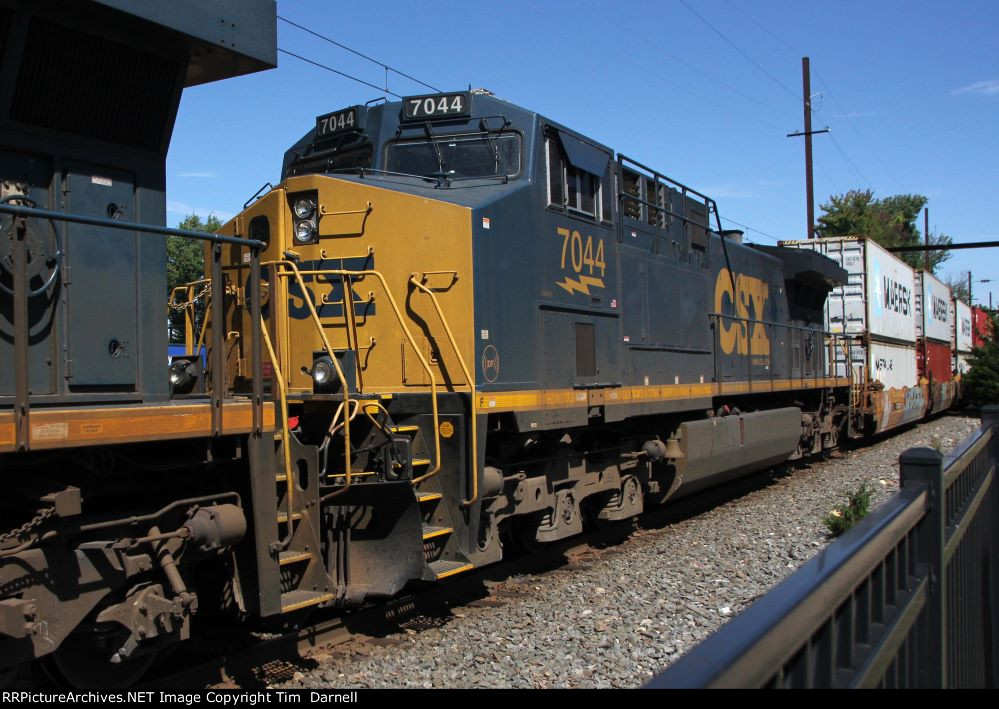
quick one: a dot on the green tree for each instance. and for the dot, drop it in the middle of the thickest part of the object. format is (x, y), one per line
(981, 383)
(890, 222)
(958, 285)
(186, 264)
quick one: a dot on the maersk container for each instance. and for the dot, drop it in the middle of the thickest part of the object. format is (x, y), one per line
(877, 299)
(932, 308)
(893, 365)
(961, 328)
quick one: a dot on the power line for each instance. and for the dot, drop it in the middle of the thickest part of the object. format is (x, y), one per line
(850, 162)
(695, 69)
(363, 56)
(749, 228)
(337, 71)
(720, 105)
(748, 58)
(825, 83)
(846, 115)
(795, 50)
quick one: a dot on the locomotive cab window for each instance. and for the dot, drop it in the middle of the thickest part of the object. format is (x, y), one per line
(467, 155)
(580, 178)
(341, 154)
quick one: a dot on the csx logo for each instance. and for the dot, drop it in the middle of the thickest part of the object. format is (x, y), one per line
(897, 296)
(965, 328)
(748, 300)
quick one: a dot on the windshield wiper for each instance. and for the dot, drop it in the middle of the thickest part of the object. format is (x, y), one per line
(440, 174)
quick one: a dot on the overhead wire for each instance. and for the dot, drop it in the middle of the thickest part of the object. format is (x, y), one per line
(720, 105)
(749, 228)
(791, 92)
(850, 162)
(679, 60)
(360, 54)
(337, 71)
(863, 140)
(825, 84)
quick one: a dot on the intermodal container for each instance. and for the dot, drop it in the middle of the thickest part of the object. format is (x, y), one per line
(877, 300)
(892, 365)
(962, 363)
(932, 308)
(981, 326)
(961, 332)
(935, 361)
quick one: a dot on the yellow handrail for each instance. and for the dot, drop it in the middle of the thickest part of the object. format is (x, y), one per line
(409, 336)
(286, 440)
(471, 388)
(348, 480)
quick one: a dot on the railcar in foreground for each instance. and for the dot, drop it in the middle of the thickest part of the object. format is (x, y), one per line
(121, 505)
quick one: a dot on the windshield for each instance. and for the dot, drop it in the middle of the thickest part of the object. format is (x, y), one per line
(456, 156)
(334, 159)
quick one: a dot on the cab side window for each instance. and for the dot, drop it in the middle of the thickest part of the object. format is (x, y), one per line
(574, 188)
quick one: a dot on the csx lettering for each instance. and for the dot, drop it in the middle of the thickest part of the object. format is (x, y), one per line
(749, 300)
(897, 296)
(326, 292)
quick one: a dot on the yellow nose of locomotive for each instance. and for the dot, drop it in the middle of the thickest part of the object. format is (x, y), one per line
(351, 271)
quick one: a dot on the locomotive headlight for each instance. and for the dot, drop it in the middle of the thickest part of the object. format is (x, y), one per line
(304, 208)
(322, 372)
(305, 232)
(183, 375)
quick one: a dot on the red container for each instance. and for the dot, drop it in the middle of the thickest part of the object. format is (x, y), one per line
(934, 361)
(981, 326)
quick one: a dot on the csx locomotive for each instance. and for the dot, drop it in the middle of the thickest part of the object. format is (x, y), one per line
(455, 325)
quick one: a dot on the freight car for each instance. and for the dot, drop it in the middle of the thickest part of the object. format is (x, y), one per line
(454, 326)
(114, 492)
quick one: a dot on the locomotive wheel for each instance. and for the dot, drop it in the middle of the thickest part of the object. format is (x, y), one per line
(83, 660)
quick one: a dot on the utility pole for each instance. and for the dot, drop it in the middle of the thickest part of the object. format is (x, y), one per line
(926, 238)
(806, 88)
(969, 289)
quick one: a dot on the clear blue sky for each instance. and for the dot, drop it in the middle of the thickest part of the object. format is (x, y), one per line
(909, 89)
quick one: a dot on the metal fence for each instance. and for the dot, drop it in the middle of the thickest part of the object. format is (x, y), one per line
(907, 598)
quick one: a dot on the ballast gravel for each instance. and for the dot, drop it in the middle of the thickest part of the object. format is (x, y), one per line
(631, 611)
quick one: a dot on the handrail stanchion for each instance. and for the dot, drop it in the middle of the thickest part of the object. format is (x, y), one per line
(471, 389)
(256, 325)
(218, 335)
(22, 392)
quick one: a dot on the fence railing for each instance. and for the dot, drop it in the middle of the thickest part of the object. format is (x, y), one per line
(907, 598)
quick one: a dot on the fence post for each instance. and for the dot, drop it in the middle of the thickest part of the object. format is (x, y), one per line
(925, 466)
(990, 415)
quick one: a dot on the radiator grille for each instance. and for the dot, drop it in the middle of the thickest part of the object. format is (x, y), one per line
(85, 85)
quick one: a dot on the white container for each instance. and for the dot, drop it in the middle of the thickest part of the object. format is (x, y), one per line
(878, 299)
(961, 333)
(892, 365)
(961, 363)
(933, 311)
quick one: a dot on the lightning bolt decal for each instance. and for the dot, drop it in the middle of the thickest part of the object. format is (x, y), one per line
(571, 285)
